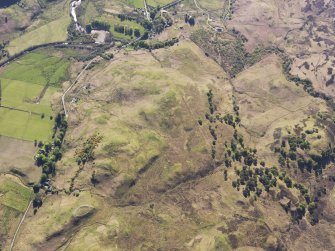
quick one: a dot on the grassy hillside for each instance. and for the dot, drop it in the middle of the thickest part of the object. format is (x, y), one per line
(55, 31)
(207, 144)
(51, 26)
(155, 161)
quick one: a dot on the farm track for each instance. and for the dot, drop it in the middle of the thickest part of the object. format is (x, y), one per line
(205, 12)
(73, 84)
(44, 90)
(18, 227)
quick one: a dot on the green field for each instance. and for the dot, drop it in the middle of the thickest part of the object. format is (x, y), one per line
(155, 3)
(14, 194)
(113, 21)
(55, 31)
(22, 125)
(134, 3)
(87, 13)
(37, 68)
(213, 5)
(23, 86)
(14, 199)
(20, 95)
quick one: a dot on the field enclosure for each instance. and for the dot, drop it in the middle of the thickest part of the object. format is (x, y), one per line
(27, 86)
(14, 199)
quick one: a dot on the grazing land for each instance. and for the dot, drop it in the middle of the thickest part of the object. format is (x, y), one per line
(14, 199)
(155, 3)
(214, 131)
(38, 68)
(55, 31)
(27, 88)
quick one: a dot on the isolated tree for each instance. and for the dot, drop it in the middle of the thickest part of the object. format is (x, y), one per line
(37, 202)
(36, 188)
(191, 21)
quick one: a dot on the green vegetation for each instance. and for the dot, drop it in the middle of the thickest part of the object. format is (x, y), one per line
(51, 152)
(305, 83)
(155, 3)
(54, 31)
(120, 28)
(252, 178)
(231, 52)
(22, 125)
(47, 156)
(22, 95)
(171, 172)
(38, 68)
(153, 45)
(134, 3)
(86, 12)
(27, 86)
(86, 153)
(15, 195)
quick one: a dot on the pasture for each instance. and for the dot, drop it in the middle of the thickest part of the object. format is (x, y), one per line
(37, 68)
(14, 199)
(212, 5)
(55, 31)
(14, 194)
(27, 86)
(134, 3)
(155, 3)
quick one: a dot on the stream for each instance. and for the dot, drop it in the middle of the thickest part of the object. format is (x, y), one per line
(74, 5)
